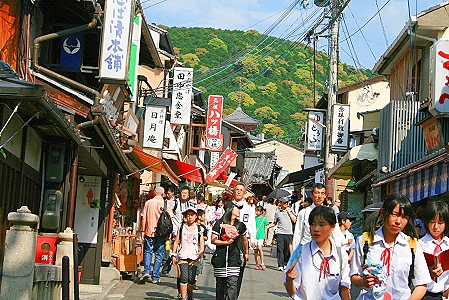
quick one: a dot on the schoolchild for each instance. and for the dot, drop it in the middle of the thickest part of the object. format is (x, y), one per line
(261, 223)
(321, 271)
(191, 247)
(435, 242)
(200, 221)
(388, 260)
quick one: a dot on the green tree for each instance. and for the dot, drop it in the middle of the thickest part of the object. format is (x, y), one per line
(218, 44)
(272, 130)
(267, 114)
(268, 89)
(190, 59)
(243, 97)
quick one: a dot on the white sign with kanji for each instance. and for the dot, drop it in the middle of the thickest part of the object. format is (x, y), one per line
(181, 96)
(340, 128)
(153, 135)
(314, 139)
(116, 39)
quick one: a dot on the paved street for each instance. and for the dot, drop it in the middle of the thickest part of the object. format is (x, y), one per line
(256, 284)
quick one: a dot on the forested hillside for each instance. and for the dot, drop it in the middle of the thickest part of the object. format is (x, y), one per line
(273, 78)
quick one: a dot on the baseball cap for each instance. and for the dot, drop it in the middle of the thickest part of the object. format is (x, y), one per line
(283, 199)
(189, 208)
(345, 215)
(230, 204)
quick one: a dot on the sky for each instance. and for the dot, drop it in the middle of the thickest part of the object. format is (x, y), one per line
(362, 50)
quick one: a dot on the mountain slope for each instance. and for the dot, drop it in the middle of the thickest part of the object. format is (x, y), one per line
(272, 78)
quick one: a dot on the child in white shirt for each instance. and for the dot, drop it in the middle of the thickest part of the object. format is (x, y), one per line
(434, 243)
(321, 271)
(386, 265)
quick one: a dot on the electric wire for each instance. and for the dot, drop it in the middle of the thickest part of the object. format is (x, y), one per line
(382, 24)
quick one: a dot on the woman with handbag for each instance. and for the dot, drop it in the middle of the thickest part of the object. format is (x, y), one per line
(229, 235)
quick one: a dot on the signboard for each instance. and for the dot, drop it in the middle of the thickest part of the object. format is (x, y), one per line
(319, 176)
(116, 39)
(153, 135)
(214, 157)
(215, 144)
(439, 72)
(340, 128)
(214, 115)
(432, 134)
(223, 163)
(88, 192)
(71, 51)
(181, 96)
(134, 57)
(314, 138)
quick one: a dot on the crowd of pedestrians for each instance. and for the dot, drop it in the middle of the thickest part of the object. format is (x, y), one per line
(311, 239)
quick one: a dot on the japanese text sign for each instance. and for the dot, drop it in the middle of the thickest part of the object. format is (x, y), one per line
(340, 128)
(181, 96)
(153, 135)
(223, 163)
(439, 77)
(214, 115)
(314, 139)
(116, 40)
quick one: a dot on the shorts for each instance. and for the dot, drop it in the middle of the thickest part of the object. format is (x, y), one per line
(259, 242)
(188, 270)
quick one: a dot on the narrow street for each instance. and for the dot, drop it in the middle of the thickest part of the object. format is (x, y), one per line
(266, 284)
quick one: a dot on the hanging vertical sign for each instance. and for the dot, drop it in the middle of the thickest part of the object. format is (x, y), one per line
(315, 131)
(340, 128)
(153, 136)
(214, 114)
(438, 77)
(71, 50)
(225, 161)
(116, 39)
(319, 176)
(181, 96)
(214, 157)
(134, 57)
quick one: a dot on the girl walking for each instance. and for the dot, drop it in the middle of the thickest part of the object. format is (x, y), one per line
(261, 223)
(388, 259)
(321, 272)
(436, 248)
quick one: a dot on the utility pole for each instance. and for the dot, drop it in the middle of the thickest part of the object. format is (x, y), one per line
(329, 159)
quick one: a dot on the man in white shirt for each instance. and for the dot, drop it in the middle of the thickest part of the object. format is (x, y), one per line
(248, 217)
(302, 228)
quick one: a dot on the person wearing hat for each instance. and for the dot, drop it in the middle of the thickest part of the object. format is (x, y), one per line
(283, 219)
(345, 221)
(191, 248)
(229, 235)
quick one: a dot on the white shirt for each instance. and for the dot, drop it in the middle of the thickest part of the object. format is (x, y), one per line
(248, 217)
(401, 259)
(302, 227)
(308, 282)
(428, 244)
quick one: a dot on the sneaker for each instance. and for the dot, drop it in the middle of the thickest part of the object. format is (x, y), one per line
(156, 281)
(281, 269)
(144, 278)
(263, 267)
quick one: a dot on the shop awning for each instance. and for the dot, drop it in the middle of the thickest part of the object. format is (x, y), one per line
(299, 176)
(148, 162)
(188, 171)
(343, 169)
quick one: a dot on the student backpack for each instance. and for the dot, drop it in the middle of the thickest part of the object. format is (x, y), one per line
(164, 224)
(367, 240)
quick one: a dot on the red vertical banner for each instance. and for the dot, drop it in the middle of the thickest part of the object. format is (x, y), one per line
(214, 115)
(223, 163)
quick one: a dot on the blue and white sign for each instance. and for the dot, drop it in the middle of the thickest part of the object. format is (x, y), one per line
(71, 50)
(116, 40)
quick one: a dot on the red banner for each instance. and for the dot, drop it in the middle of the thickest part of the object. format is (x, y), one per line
(223, 162)
(214, 115)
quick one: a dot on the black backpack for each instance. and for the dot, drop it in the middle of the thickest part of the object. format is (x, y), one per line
(164, 224)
